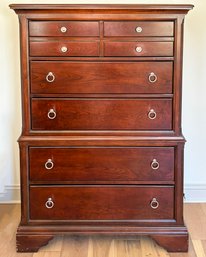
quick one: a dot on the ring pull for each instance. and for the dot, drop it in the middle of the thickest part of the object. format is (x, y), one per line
(152, 77)
(154, 203)
(49, 164)
(138, 29)
(51, 114)
(50, 77)
(152, 114)
(63, 29)
(49, 203)
(155, 164)
(64, 49)
(138, 49)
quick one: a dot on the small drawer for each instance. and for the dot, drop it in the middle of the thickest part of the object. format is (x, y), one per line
(64, 48)
(101, 114)
(139, 29)
(63, 29)
(100, 164)
(138, 49)
(96, 77)
(101, 203)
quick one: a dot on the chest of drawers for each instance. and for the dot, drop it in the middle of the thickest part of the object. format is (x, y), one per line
(101, 150)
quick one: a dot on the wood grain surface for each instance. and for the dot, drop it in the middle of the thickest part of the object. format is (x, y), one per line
(101, 114)
(101, 202)
(100, 164)
(148, 28)
(73, 28)
(97, 77)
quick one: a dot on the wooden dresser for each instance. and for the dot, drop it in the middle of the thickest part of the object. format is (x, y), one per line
(101, 150)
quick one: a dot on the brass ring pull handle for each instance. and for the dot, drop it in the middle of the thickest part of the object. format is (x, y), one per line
(138, 29)
(138, 49)
(51, 114)
(152, 114)
(155, 164)
(49, 203)
(49, 164)
(152, 77)
(154, 203)
(63, 29)
(50, 77)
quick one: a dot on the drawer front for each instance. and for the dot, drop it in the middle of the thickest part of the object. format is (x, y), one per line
(138, 28)
(138, 49)
(101, 114)
(63, 28)
(101, 203)
(101, 164)
(89, 77)
(60, 48)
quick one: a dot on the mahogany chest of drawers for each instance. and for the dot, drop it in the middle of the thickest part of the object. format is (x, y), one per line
(101, 149)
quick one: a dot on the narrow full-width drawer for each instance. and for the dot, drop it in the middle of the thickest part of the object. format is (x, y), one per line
(63, 28)
(101, 114)
(64, 48)
(96, 77)
(84, 164)
(101, 203)
(138, 49)
(138, 28)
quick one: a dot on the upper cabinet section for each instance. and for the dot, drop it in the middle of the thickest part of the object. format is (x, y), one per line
(111, 31)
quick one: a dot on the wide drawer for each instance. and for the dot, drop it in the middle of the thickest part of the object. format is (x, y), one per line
(101, 164)
(138, 28)
(101, 114)
(96, 77)
(138, 49)
(64, 48)
(63, 28)
(101, 202)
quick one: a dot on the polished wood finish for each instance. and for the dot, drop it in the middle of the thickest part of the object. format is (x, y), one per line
(73, 28)
(147, 28)
(101, 114)
(182, 8)
(129, 49)
(177, 243)
(34, 242)
(107, 77)
(101, 203)
(99, 164)
(54, 48)
(106, 81)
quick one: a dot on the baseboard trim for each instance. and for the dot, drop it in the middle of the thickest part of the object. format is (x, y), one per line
(11, 194)
(194, 193)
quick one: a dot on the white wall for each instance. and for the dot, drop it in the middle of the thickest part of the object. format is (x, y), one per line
(194, 93)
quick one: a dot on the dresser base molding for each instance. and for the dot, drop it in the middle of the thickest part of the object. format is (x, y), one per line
(31, 238)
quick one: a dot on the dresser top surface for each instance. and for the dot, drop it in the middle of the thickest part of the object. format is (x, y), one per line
(138, 7)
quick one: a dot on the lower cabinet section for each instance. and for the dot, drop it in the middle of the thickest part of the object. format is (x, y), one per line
(101, 202)
(101, 186)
